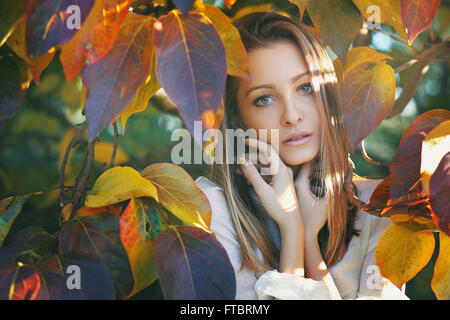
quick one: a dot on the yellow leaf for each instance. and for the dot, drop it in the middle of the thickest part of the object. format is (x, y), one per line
(246, 10)
(236, 56)
(143, 95)
(339, 69)
(17, 43)
(360, 55)
(441, 277)
(118, 184)
(390, 13)
(179, 194)
(103, 151)
(402, 253)
(434, 147)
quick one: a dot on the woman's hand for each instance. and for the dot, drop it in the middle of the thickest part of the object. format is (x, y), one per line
(277, 197)
(314, 210)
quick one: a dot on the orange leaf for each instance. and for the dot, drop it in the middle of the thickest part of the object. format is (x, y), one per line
(95, 38)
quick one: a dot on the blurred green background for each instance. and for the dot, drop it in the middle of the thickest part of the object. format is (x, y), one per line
(32, 142)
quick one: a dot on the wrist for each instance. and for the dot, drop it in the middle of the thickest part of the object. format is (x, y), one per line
(294, 225)
(311, 237)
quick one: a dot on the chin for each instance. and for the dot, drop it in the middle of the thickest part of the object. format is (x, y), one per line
(297, 157)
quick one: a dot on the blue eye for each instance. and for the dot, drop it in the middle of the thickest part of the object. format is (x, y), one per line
(262, 101)
(306, 88)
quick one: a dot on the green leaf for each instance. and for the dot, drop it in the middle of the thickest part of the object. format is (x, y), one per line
(338, 23)
(9, 209)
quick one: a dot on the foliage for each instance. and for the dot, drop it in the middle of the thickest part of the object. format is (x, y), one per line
(127, 229)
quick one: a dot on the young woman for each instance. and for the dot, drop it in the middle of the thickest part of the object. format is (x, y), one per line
(298, 234)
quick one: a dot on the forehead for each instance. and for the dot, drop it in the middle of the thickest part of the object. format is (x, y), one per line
(279, 61)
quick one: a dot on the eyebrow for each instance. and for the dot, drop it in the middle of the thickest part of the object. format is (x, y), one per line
(272, 86)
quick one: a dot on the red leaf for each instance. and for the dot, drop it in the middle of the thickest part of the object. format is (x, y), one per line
(112, 82)
(439, 195)
(405, 165)
(417, 15)
(96, 36)
(190, 63)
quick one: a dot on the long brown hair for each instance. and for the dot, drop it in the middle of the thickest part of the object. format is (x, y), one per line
(334, 169)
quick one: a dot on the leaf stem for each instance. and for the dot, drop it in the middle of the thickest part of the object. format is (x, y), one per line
(367, 158)
(397, 39)
(115, 146)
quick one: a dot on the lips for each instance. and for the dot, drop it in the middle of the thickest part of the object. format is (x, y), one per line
(297, 136)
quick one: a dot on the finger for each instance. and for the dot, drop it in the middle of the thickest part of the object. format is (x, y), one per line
(253, 176)
(268, 154)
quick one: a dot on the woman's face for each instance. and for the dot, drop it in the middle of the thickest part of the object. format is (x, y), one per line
(279, 96)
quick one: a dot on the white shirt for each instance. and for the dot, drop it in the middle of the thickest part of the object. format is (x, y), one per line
(356, 276)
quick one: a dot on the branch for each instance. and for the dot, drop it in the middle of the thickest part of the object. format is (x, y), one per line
(75, 140)
(116, 144)
(80, 188)
(441, 48)
(397, 39)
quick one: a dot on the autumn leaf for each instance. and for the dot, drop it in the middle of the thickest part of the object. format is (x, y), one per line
(229, 3)
(402, 253)
(112, 82)
(301, 4)
(337, 21)
(19, 282)
(51, 23)
(118, 184)
(368, 94)
(143, 95)
(192, 264)
(439, 191)
(236, 55)
(10, 13)
(15, 79)
(417, 15)
(99, 236)
(190, 63)
(405, 165)
(361, 55)
(434, 147)
(103, 151)
(95, 38)
(139, 225)
(441, 276)
(9, 209)
(179, 194)
(17, 43)
(389, 13)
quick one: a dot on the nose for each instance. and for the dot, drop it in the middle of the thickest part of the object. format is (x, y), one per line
(292, 115)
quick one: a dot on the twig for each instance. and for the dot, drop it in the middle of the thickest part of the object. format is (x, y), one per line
(367, 158)
(80, 192)
(116, 144)
(440, 48)
(76, 139)
(396, 39)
